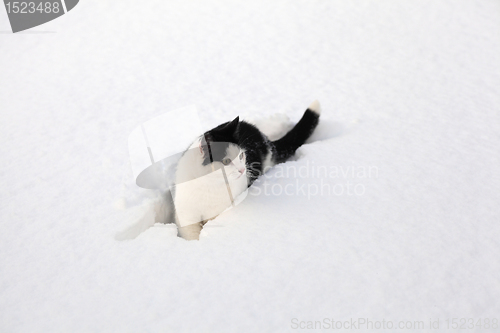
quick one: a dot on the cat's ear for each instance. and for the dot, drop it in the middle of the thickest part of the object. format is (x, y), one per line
(205, 141)
(232, 127)
(200, 146)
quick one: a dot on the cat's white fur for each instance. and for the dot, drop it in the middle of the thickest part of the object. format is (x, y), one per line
(268, 162)
(315, 107)
(200, 193)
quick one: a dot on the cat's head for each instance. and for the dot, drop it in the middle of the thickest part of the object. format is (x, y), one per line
(219, 148)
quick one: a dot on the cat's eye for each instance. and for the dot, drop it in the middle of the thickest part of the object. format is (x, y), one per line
(242, 155)
(226, 161)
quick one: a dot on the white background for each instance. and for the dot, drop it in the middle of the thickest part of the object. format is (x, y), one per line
(410, 87)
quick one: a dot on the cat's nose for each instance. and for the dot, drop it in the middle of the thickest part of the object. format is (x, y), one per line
(241, 170)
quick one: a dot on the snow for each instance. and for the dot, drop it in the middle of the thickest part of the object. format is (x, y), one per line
(408, 90)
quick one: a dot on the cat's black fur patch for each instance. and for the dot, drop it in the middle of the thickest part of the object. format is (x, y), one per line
(255, 143)
(287, 145)
(215, 142)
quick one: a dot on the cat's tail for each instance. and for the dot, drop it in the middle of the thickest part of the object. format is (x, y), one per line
(287, 145)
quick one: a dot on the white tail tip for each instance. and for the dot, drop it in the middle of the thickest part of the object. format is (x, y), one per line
(315, 107)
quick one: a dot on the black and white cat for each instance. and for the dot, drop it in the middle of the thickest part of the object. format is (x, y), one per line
(223, 162)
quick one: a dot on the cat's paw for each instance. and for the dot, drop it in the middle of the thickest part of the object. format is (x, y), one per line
(190, 232)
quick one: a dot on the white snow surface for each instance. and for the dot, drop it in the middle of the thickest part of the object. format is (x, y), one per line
(409, 91)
